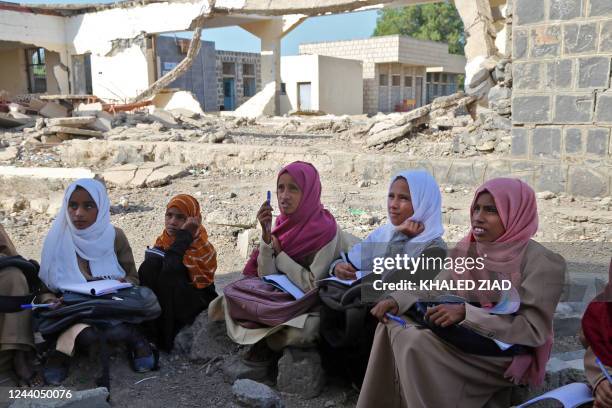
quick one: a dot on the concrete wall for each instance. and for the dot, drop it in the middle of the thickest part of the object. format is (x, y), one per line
(200, 79)
(13, 74)
(340, 86)
(296, 69)
(385, 50)
(238, 58)
(336, 83)
(562, 101)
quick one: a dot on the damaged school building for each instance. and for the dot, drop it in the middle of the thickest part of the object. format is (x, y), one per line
(537, 75)
(385, 74)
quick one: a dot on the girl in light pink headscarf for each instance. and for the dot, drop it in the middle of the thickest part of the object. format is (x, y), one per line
(429, 368)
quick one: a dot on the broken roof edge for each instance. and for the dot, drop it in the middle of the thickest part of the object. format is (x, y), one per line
(68, 10)
(260, 7)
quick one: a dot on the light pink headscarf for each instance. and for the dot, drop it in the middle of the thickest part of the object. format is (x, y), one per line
(309, 228)
(516, 204)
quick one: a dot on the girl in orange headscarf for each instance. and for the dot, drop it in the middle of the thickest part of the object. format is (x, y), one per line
(180, 270)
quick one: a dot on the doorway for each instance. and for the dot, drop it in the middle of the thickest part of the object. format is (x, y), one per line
(304, 102)
(229, 94)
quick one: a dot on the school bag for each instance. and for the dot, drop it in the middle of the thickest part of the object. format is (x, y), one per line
(254, 303)
(12, 304)
(131, 305)
(347, 329)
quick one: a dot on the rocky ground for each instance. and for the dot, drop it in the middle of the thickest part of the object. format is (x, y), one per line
(230, 197)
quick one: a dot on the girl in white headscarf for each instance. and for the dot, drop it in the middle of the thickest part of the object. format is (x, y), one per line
(413, 229)
(82, 246)
(414, 224)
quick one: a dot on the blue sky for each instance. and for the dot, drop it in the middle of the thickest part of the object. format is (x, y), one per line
(326, 28)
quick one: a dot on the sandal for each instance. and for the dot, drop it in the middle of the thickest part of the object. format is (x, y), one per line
(146, 363)
(56, 369)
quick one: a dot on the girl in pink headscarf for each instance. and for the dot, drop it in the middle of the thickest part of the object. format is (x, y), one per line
(466, 354)
(301, 244)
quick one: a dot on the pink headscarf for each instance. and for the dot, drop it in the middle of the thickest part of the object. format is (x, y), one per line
(516, 204)
(309, 228)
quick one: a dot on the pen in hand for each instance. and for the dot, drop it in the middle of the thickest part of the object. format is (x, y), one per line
(603, 369)
(396, 319)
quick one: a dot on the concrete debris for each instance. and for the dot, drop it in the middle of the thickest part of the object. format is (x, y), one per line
(144, 175)
(250, 393)
(53, 110)
(300, 372)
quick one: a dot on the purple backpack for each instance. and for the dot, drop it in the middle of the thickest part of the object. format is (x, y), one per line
(254, 303)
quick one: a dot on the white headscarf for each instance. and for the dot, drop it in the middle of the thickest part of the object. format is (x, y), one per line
(96, 244)
(427, 205)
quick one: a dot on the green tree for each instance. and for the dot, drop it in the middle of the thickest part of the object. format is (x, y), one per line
(436, 22)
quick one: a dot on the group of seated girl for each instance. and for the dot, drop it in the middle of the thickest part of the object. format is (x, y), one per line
(407, 366)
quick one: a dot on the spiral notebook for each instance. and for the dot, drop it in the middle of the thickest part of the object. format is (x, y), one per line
(96, 288)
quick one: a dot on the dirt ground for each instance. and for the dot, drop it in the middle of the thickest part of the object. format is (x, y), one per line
(235, 195)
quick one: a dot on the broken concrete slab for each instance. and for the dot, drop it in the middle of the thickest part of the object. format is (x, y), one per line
(9, 153)
(163, 116)
(8, 121)
(120, 175)
(178, 100)
(76, 122)
(53, 110)
(143, 175)
(72, 131)
(387, 136)
(162, 176)
(46, 172)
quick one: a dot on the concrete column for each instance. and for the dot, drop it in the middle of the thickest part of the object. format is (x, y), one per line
(480, 43)
(270, 32)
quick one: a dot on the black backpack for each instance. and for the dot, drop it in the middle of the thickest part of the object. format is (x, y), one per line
(12, 304)
(347, 329)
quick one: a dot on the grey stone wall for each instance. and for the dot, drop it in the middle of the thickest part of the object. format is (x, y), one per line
(200, 79)
(238, 58)
(562, 96)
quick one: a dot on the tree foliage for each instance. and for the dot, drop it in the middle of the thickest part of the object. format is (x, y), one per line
(436, 22)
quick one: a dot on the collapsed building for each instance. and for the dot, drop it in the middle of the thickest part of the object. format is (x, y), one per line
(545, 65)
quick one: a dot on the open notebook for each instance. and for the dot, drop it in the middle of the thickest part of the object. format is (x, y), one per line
(96, 288)
(281, 281)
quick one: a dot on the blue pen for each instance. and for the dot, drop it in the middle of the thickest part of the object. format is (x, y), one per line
(397, 319)
(36, 306)
(603, 369)
(269, 197)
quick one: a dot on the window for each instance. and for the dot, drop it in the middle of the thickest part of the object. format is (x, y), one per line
(436, 77)
(249, 86)
(395, 80)
(283, 88)
(383, 80)
(229, 69)
(429, 77)
(408, 81)
(248, 69)
(37, 70)
(444, 78)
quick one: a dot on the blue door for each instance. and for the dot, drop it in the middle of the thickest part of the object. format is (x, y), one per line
(229, 94)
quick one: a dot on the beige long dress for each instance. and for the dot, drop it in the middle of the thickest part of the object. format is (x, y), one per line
(414, 368)
(303, 330)
(15, 328)
(65, 342)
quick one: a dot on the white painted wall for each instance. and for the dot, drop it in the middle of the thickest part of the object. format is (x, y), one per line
(34, 29)
(121, 76)
(336, 83)
(340, 86)
(13, 75)
(296, 69)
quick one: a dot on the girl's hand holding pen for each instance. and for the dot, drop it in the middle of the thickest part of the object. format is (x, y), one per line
(387, 305)
(264, 216)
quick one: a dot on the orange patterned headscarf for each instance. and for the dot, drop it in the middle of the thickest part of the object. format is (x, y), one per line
(200, 258)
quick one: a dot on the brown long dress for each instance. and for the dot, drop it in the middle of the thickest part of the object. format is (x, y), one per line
(414, 368)
(15, 328)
